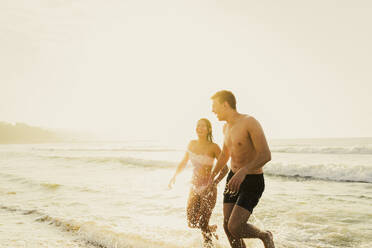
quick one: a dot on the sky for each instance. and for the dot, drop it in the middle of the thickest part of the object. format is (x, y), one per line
(146, 69)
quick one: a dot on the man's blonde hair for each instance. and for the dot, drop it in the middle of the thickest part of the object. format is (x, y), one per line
(225, 96)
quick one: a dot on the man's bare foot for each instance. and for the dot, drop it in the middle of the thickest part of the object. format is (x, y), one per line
(268, 240)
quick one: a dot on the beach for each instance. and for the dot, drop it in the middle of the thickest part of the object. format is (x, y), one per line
(115, 194)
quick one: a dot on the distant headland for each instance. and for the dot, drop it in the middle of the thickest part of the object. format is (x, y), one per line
(23, 133)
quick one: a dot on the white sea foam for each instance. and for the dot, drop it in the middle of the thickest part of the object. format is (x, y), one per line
(93, 233)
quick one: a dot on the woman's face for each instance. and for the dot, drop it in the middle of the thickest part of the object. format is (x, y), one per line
(201, 129)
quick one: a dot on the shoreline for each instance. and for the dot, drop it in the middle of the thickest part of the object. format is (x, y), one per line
(22, 230)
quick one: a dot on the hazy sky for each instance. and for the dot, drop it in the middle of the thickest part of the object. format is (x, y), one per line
(146, 69)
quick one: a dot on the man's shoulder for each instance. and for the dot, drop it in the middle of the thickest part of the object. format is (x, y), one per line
(247, 119)
(249, 122)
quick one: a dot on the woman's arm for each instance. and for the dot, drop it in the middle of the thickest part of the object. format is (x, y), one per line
(223, 158)
(182, 164)
(222, 174)
(224, 170)
(179, 169)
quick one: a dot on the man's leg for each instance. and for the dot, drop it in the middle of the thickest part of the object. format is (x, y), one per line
(234, 242)
(239, 228)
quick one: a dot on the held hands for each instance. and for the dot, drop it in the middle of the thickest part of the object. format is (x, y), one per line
(211, 183)
(172, 182)
(234, 184)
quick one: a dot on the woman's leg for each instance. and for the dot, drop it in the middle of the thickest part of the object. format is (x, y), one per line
(193, 207)
(208, 202)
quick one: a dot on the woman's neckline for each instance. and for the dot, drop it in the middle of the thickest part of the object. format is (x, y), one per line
(205, 155)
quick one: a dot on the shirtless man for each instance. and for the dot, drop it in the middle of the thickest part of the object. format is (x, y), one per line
(246, 144)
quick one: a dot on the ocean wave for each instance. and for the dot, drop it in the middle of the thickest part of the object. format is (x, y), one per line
(124, 149)
(323, 149)
(356, 149)
(331, 172)
(122, 160)
(50, 186)
(98, 235)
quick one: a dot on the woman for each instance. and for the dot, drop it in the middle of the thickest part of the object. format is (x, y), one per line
(202, 200)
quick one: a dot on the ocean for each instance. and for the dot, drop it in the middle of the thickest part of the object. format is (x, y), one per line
(114, 194)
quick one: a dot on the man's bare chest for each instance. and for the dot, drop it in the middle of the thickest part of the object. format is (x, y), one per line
(237, 138)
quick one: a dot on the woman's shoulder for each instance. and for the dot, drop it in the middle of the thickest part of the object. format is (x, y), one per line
(216, 149)
(191, 144)
(215, 145)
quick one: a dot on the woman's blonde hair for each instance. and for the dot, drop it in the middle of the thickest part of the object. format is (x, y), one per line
(209, 126)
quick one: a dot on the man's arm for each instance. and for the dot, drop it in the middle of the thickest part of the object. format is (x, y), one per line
(263, 154)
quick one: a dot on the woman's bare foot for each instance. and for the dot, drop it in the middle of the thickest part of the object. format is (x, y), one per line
(208, 245)
(208, 236)
(207, 240)
(213, 229)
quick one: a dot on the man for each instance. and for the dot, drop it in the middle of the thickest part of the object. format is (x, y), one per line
(245, 143)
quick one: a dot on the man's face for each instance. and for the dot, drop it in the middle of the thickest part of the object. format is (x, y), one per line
(219, 109)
